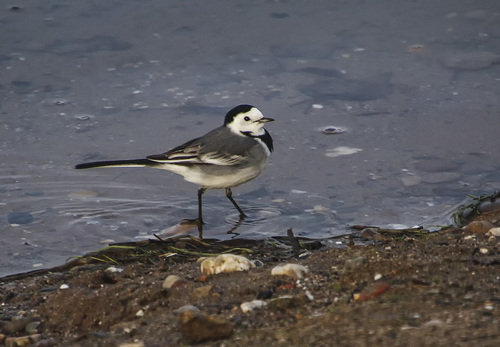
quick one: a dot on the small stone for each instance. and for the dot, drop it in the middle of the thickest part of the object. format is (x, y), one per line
(16, 325)
(132, 344)
(64, 286)
(202, 292)
(252, 305)
(83, 117)
(173, 281)
(494, 232)
(22, 341)
(32, 327)
(409, 181)
(341, 150)
(225, 263)
(332, 130)
(107, 241)
(478, 227)
(19, 218)
(186, 308)
(139, 313)
(433, 323)
(416, 48)
(113, 269)
(197, 327)
(296, 271)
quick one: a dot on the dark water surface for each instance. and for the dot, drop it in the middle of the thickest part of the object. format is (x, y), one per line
(414, 84)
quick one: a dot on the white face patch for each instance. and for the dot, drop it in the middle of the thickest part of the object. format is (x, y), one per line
(247, 122)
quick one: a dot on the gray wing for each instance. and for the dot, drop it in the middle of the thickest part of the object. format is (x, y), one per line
(218, 147)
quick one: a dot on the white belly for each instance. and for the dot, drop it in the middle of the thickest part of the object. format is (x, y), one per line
(220, 178)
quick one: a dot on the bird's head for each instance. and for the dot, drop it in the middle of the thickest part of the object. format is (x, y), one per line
(246, 120)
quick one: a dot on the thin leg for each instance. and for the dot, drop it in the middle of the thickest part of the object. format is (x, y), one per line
(200, 214)
(229, 195)
(198, 221)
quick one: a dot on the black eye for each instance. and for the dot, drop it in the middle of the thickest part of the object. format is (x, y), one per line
(246, 118)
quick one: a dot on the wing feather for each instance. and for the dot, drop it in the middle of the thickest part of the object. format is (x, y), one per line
(211, 149)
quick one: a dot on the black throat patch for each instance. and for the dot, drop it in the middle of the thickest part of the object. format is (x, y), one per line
(266, 138)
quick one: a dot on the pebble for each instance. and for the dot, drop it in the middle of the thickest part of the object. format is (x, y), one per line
(416, 48)
(132, 344)
(107, 241)
(252, 305)
(471, 60)
(197, 327)
(433, 323)
(113, 269)
(186, 308)
(494, 232)
(341, 150)
(19, 218)
(32, 327)
(225, 263)
(296, 271)
(173, 281)
(409, 181)
(16, 325)
(64, 286)
(22, 341)
(331, 130)
(479, 227)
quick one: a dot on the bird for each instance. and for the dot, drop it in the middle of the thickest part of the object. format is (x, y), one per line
(226, 157)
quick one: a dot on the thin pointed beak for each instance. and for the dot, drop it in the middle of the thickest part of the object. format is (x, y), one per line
(265, 120)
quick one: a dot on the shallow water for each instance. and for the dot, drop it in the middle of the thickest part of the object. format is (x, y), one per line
(86, 81)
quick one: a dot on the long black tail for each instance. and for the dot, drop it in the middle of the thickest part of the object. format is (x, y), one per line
(115, 163)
